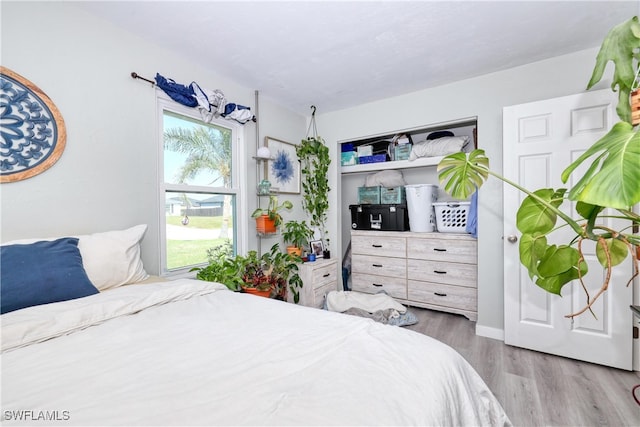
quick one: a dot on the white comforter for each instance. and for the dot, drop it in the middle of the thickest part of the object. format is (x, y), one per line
(193, 353)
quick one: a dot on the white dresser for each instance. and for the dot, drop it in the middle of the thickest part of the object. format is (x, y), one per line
(431, 270)
(319, 278)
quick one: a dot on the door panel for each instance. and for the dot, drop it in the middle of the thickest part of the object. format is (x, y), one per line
(540, 140)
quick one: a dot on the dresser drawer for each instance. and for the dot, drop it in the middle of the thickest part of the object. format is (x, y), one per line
(372, 284)
(378, 265)
(459, 297)
(450, 250)
(319, 294)
(323, 275)
(443, 272)
(379, 245)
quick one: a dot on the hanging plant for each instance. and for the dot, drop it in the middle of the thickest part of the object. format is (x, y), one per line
(315, 161)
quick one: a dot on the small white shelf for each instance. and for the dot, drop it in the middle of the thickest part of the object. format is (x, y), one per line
(262, 159)
(397, 164)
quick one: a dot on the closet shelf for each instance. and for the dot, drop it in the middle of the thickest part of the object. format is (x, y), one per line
(397, 164)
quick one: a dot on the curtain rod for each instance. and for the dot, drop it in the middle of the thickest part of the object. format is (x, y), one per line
(137, 76)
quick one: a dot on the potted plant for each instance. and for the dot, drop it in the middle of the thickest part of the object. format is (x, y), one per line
(298, 234)
(268, 220)
(272, 274)
(315, 161)
(609, 181)
(283, 270)
(222, 267)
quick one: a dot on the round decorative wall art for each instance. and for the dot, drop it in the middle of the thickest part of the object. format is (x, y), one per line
(33, 134)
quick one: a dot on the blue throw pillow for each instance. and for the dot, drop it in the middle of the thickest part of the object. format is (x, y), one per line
(41, 273)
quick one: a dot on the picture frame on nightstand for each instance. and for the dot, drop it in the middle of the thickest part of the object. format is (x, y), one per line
(317, 248)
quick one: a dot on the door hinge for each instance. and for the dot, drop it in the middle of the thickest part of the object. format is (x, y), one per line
(635, 333)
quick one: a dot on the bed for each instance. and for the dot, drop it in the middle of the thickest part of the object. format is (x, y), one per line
(187, 352)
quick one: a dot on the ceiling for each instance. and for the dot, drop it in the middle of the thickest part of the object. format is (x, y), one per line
(339, 54)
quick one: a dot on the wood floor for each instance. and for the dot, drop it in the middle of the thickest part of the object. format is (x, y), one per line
(537, 389)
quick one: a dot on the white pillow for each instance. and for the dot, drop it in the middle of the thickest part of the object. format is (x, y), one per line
(110, 258)
(438, 147)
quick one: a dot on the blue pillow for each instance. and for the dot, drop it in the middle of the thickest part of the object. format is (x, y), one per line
(41, 273)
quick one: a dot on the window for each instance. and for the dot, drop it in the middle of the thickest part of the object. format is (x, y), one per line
(199, 183)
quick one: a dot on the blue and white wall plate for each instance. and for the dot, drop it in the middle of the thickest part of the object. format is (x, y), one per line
(33, 135)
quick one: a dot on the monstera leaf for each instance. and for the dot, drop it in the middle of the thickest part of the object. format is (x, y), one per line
(536, 215)
(461, 174)
(554, 283)
(621, 47)
(532, 249)
(613, 176)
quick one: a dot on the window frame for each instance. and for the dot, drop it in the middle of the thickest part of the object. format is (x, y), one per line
(238, 178)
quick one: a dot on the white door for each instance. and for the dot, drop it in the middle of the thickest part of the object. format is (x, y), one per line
(540, 139)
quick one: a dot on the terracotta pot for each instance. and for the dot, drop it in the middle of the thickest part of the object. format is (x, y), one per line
(294, 250)
(256, 291)
(264, 225)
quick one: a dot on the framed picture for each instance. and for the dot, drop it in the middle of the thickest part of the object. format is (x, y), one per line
(316, 248)
(283, 169)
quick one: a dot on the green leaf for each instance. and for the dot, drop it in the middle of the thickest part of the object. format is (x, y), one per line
(617, 251)
(557, 260)
(554, 284)
(532, 248)
(460, 173)
(588, 211)
(613, 177)
(618, 47)
(534, 216)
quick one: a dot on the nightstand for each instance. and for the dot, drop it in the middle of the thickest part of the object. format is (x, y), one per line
(319, 278)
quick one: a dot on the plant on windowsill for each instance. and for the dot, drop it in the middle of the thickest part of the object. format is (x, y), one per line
(268, 220)
(315, 161)
(273, 274)
(611, 181)
(298, 235)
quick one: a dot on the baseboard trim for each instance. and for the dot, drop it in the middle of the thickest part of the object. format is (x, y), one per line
(485, 331)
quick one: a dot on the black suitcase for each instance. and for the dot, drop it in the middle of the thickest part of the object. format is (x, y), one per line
(380, 217)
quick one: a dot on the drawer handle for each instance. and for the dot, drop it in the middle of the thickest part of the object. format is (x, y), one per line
(377, 284)
(439, 272)
(327, 275)
(439, 250)
(377, 265)
(440, 294)
(377, 246)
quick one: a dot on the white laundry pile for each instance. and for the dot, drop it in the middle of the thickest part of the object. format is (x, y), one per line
(379, 307)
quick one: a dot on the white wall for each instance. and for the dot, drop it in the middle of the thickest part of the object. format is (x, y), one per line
(107, 176)
(483, 97)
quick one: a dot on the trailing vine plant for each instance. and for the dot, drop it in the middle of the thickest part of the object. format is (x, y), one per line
(315, 161)
(611, 183)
